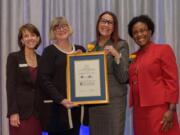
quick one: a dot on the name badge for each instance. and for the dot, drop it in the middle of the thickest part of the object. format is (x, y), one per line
(23, 65)
(48, 101)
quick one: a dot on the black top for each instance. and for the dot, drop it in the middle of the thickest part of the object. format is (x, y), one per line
(52, 78)
(22, 90)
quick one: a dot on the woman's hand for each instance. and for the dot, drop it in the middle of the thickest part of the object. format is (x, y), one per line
(110, 49)
(68, 104)
(167, 121)
(14, 120)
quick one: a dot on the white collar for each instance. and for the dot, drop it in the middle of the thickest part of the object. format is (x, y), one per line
(73, 49)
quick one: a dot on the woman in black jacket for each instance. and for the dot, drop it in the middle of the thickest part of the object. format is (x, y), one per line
(60, 116)
(22, 90)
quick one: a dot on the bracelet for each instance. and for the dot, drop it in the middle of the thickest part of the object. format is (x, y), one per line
(172, 109)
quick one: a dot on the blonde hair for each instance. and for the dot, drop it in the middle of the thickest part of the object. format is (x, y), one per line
(58, 21)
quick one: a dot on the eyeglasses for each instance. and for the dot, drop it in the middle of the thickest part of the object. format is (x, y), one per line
(105, 21)
(64, 26)
(142, 31)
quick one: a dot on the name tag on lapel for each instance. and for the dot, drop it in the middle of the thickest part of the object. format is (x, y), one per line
(48, 101)
(23, 65)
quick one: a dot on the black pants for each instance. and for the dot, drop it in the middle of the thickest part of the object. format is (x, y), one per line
(74, 131)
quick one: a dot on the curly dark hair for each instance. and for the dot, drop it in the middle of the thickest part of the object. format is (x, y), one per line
(144, 19)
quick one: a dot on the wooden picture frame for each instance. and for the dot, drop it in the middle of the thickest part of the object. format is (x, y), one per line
(87, 81)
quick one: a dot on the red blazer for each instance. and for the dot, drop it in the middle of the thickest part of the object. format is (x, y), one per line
(155, 72)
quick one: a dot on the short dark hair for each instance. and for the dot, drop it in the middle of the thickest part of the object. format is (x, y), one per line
(31, 28)
(144, 19)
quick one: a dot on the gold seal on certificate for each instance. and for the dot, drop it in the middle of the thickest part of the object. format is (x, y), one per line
(87, 78)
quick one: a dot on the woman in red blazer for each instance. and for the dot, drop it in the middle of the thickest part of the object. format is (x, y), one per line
(22, 89)
(154, 87)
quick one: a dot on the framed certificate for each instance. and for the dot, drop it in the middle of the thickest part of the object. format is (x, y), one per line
(87, 78)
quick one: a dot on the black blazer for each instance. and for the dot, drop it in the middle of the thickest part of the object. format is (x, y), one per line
(22, 92)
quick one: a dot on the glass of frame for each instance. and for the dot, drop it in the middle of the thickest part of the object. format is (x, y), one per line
(87, 81)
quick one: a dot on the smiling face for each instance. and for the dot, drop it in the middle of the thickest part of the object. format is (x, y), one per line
(62, 32)
(106, 25)
(29, 40)
(141, 34)
(60, 29)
